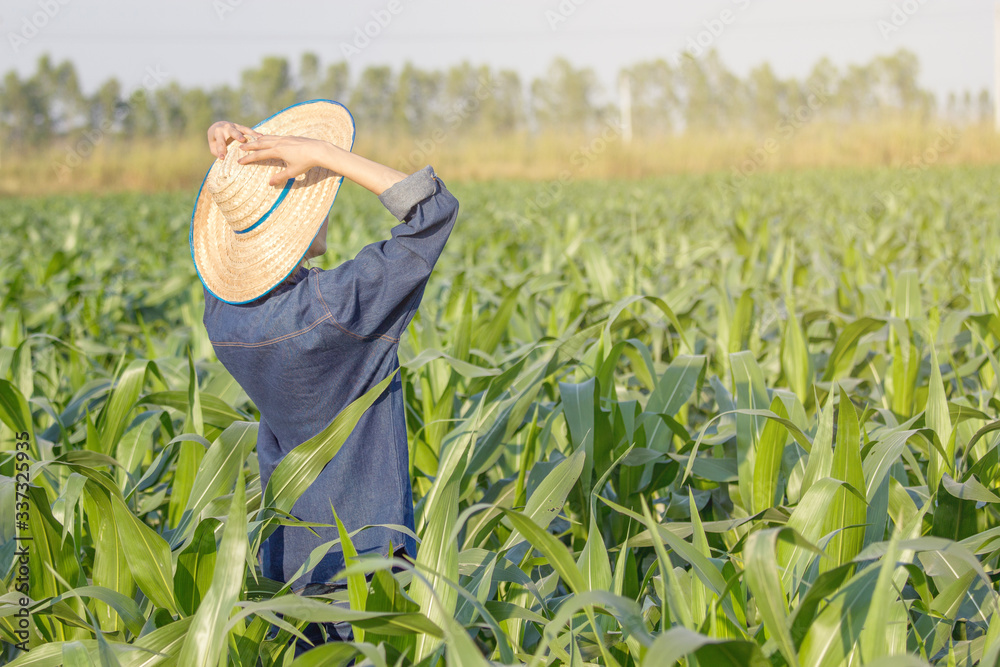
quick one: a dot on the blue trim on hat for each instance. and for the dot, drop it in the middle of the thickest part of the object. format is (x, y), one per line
(320, 225)
(281, 198)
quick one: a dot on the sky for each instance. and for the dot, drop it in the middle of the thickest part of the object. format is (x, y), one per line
(209, 42)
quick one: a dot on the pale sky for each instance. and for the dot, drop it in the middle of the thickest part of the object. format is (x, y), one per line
(207, 42)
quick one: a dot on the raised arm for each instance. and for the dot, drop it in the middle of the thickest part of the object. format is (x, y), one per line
(377, 292)
(301, 154)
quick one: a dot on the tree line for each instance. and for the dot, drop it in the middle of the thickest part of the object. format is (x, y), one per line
(664, 97)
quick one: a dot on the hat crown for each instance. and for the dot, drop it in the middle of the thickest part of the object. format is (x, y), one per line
(238, 253)
(242, 191)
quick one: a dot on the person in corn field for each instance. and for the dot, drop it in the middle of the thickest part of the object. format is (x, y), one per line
(306, 342)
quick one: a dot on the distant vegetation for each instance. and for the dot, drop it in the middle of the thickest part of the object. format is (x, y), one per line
(692, 115)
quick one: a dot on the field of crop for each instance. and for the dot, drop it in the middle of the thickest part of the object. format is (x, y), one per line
(651, 423)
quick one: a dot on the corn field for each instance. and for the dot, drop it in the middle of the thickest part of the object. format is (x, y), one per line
(650, 423)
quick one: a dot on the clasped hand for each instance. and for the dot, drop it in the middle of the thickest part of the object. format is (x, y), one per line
(298, 153)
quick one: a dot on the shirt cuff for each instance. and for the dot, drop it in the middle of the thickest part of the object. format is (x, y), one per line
(403, 196)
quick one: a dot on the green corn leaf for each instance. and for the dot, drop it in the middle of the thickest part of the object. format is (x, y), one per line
(578, 406)
(301, 466)
(748, 381)
(555, 551)
(765, 584)
(215, 411)
(820, 461)
(767, 464)
(672, 596)
(357, 587)
(874, 639)
(216, 473)
(22, 369)
(110, 569)
(795, 362)
(835, 630)
(439, 553)
(196, 567)
(14, 411)
(971, 489)
(307, 608)
(122, 399)
(206, 640)
(75, 654)
(676, 643)
(842, 356)
(674, 387)
(147, 555)
(550, 495)
(848, 511)
(939, 420)
(593, 563)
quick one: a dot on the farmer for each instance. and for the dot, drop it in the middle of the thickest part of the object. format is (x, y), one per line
(305, 343)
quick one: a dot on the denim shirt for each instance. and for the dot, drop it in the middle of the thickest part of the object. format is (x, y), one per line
(312, 345)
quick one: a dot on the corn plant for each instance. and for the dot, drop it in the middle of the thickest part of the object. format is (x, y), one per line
(650, 423)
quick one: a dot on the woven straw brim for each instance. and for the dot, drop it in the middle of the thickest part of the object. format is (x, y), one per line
(242, 267)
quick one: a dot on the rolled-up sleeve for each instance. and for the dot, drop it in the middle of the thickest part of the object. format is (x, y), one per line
(403, 196)
(378, 292)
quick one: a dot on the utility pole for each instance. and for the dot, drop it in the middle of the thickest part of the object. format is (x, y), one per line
(996, 68)
(625, 102)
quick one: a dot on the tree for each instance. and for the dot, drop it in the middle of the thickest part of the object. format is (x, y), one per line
(503, 108)
(822, 81)
(372, 99)
(169, 101)
(854, 96)
(268, 88)
(458, 111)
(701, 100)
(198, 112)
(731, 95)
(23, 111)
(655, 102)
(895, 80)
(336, 83)
(105, 105)
(64, 105)
(309, 77)
(985, 106)
(565, 98)
(140, 121)
(696, 93)
(226, 104)
(769, 97)
(952, 108)
(475, 99)
(414, 98)
(34, 111)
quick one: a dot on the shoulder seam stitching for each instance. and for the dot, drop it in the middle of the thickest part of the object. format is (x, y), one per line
(341, 326)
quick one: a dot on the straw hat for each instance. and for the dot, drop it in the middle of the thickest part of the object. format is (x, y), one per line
(247, 236)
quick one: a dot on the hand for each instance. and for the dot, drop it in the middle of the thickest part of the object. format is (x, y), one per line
(222, 132)
(299, 154)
